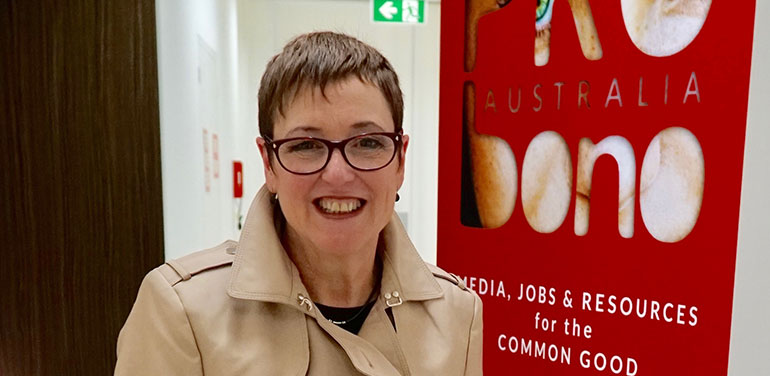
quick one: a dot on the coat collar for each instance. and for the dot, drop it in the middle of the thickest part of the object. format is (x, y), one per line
(263, 271)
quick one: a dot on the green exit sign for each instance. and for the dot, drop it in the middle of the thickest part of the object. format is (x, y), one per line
(399, 11)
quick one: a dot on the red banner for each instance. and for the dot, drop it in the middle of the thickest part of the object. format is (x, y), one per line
(590, 179)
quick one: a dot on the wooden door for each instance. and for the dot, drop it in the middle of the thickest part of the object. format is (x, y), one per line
(81, 179)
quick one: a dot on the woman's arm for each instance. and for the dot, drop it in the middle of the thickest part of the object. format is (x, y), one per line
(474, 360)
(157, 338)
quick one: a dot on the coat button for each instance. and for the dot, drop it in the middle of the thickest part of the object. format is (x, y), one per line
(393, 299)
(304, 301)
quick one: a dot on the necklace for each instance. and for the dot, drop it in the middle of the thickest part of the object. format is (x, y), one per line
(362, 309)
(370, 300)
(351, 318)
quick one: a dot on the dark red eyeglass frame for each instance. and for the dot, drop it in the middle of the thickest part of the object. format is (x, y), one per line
(397, 138)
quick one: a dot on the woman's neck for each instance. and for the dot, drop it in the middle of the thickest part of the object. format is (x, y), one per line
(336, 278)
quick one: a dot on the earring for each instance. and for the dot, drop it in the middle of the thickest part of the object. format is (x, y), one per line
(397, 196)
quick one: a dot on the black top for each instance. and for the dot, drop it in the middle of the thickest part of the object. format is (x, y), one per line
(348, 318)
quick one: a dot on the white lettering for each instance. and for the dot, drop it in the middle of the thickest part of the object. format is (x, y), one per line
(692, 88)
(518, 104)
(610, 96)
(665, 312)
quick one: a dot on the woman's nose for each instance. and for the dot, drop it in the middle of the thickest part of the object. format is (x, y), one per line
(337, 170)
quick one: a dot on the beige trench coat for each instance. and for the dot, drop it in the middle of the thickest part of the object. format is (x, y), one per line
(238, 309)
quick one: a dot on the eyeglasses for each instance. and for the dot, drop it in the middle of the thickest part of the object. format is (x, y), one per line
(308, 155)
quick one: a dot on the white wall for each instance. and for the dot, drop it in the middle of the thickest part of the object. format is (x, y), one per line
(245, 34)
(750, 340)
(196, 39)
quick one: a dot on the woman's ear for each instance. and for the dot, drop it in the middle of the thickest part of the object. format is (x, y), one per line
(402, 159)
(270, 179)
(404, 144)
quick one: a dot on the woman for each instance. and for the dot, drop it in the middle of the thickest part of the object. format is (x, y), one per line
(324, 280)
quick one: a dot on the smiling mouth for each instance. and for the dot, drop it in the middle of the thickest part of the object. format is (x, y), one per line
(330, 205)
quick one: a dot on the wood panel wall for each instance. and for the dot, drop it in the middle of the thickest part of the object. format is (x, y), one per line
(80, 179)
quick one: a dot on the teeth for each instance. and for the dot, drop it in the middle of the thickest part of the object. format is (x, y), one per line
(335, 206)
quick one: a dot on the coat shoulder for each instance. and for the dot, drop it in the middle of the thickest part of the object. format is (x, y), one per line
(442, 276)
(458, 298)
(185, 268)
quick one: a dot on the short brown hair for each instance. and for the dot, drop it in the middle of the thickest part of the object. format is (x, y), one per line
(318, 59)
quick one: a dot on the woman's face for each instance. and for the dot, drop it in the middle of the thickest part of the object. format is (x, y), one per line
(349, 108)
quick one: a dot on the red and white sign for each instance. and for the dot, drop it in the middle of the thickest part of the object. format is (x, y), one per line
(206, 162)
(215, 153)
(590, 178)
(237, 179)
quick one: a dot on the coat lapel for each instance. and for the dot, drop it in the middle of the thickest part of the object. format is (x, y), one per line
(263, 271)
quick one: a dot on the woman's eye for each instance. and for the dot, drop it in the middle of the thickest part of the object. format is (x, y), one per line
(369, 143)
(303, 146)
